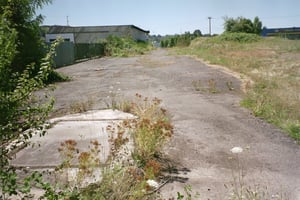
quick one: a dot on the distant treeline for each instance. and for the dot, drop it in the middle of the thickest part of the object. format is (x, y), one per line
(180, 40)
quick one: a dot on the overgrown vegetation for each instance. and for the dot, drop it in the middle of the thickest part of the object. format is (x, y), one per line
(19, 111)
(273, 65)
(239, 37)
(124, 46)
(130, 173)
(22, 72)
(242, 25)
(182, 40)
(21, 17)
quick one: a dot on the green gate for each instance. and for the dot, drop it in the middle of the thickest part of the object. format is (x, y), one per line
(83, 51)
(67, 53)
(64, 54)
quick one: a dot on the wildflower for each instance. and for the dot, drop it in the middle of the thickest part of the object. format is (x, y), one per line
(236, 150)
(152, 183)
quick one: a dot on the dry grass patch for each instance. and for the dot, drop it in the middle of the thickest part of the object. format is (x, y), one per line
(272, 64)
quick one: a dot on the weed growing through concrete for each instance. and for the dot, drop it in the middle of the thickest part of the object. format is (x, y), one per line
(212, 86)
(198, 85)
(79, 166)
(229, 85)
(189, 194)
(118, 137)
(138, 178)
(239, 190)
(89, 161)
(113, 97)
(151, 130)
(81, 106)
(67, 152)
(130, 173)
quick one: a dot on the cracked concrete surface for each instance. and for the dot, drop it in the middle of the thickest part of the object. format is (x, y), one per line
(206, 125)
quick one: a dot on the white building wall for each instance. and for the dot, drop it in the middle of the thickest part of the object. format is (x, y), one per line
(65, 36)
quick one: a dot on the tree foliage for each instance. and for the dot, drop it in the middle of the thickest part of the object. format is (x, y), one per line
(124, 46)
(180, 40)
(197, 33)
(21, 16)
(242, 25)
(20, 109)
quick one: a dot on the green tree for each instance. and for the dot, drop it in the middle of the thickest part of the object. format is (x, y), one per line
(172, 42)
(19, 108)
(197, 33)
(162, 44)
(257, 26)
(242, 25)
(22, 17)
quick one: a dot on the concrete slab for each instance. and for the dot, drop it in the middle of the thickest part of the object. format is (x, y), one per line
(95, 115)
(82, 128)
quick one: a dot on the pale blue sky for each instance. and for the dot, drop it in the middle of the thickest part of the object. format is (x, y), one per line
(170, 16)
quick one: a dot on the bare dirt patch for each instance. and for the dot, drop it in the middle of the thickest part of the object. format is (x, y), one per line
(207, 125)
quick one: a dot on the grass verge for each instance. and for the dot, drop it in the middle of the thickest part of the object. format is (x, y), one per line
(271, 63)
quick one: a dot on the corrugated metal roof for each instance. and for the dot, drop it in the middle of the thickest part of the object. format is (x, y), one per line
(88, 29)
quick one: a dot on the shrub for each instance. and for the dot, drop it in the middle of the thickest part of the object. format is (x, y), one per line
(239, 37)
(23, 19)
(118, 46)
(242, 25)
(19, 109)
(182, 40)
(54, 77)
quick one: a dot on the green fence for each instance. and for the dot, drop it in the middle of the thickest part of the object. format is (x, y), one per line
(83, 51)
(67, 53)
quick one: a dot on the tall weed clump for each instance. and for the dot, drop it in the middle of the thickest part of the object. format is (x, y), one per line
(131, 172)
(239, 37)
(151, 130)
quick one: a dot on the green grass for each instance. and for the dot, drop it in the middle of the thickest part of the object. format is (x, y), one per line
(271, 63)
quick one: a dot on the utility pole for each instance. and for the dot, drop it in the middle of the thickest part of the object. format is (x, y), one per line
(209, 23)
(67, 20)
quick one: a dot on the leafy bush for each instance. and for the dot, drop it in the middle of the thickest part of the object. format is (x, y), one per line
(54, 77)
(118, 46)
(183, 40)
(20, 109)
(239, 37)
(243, 25)
(23, 19)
